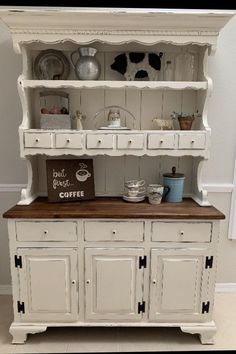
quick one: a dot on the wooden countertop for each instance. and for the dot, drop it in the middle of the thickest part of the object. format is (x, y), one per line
(115, 208)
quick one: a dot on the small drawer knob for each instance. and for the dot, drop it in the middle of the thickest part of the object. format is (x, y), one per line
(45, 232)
(37, 140)
(161, 141)
(192, 141)
(73, 282)
(181, 233)
(99, 141)
(68, 140)
(88, 281)
(154, 281)
(130, 141)
(114, 232)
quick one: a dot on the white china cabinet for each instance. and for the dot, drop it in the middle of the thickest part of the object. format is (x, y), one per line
(107, 262)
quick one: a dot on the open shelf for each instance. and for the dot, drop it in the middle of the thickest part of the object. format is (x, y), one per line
(154, 85)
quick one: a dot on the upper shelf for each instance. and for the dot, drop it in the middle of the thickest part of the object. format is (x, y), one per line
(87, 84)
(114, 25)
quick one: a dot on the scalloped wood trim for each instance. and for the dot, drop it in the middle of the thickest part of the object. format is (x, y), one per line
(155, 85)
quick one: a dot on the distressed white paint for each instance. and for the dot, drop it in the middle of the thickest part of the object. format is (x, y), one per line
(181, 231)
(48, 280)
(105, 266)
(198, 28)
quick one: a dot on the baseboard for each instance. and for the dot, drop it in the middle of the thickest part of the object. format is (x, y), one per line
(225, 288)
(5, 290)
(12, 187)
(219, 288)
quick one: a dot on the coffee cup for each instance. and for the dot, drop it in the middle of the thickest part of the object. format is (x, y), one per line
(135, 192)
(134, 183)
(156, 192)
(82, 175)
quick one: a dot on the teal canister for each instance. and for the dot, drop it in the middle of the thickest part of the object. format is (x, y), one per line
(175, 182)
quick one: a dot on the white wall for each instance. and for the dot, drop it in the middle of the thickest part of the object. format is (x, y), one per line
(218, 170)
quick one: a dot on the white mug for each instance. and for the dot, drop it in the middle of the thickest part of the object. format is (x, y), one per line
(155, 193)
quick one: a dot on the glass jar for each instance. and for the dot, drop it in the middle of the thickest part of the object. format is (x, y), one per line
(185, 67)
(114, 117)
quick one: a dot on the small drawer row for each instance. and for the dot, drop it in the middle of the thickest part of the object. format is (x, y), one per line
(138, 141)
(96, 230)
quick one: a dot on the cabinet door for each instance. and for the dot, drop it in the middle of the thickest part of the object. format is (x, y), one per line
(48, 282)
(177, 283)
(113, 283)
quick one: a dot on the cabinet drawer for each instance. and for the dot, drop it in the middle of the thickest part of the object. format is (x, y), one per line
(113, 231)
(161, 141)
(38, 140)
(181, 231)
(46, 231)
(100, 141)
(192, 141)
(130, 141)
(69, 141)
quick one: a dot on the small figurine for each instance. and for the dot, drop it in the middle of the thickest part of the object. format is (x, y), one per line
(163, 124)
(78, 119)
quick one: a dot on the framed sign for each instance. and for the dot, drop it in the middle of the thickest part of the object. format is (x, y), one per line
(70, 180)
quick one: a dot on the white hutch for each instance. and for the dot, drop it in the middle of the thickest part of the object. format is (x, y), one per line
(107, 262)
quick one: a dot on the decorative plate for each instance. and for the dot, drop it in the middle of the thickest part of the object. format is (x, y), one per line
(51, 64)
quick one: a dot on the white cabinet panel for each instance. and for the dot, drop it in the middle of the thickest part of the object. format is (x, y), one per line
(48, 284)
(165, 231)
(114, 231)
(38, 140)
(113, 283)
(100, 141)
(192, 141)
(175, 283)
(130, 141)
(69, 141)
(161, 141)
(46, 231)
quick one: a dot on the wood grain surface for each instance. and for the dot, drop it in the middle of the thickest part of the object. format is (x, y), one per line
(115, 208)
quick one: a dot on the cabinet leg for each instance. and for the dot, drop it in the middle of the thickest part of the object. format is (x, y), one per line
(206, 331)
(19, 332)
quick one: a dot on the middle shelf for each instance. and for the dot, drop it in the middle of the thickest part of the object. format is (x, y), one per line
(93, 84)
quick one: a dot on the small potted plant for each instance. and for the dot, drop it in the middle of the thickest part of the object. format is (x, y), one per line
(185, 120)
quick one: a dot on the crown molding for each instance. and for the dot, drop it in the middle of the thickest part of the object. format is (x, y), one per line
(115, 25)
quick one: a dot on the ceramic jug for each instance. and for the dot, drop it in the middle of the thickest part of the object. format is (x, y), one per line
(86, 66)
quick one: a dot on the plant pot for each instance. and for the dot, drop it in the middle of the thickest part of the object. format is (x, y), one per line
(185, 123)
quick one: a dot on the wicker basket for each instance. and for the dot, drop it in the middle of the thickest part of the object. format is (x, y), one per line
(59, 103)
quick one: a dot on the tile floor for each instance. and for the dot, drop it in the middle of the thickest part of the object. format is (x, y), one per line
(94, 340)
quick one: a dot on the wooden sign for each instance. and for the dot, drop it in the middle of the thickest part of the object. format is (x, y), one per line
(70, 180)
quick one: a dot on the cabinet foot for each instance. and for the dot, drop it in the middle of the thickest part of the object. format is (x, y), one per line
(20, 332)
(206, 331)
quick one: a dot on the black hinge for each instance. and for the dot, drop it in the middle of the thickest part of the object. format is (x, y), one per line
(143, 262)
(141, 307)
(209, 262)
(20, 307)
(18, 261)
(205, 307)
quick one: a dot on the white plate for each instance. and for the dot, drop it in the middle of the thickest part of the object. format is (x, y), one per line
(134, 199)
